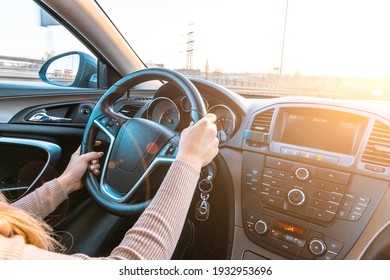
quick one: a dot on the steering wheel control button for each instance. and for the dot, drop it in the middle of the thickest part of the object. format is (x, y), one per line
(302, 174)
(261, 227)
(296, 197)
(169, 151)
(317, 246)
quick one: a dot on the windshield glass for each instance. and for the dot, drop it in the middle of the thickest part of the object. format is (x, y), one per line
(326, 48)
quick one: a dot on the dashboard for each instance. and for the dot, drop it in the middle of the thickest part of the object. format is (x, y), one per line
(171, 109)
(309, 176)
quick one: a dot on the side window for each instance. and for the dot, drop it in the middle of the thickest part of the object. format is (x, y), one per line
(36, 49)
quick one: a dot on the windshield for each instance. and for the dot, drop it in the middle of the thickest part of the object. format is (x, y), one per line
(326, 48)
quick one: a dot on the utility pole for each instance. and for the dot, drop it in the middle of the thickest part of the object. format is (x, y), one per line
(190, 47)
(206, 69)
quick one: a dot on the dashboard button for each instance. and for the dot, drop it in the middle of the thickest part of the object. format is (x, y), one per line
(265, 189)
(277, 192)
(333, 176)
(317, 203)
(289, 152)
(351, 196)
(333, 245)
(251, 187)
(375, 168)
(343, 214)
(321, 194)
(358, 208)
(346, 204)
(284, 246)
(336, 188)
(284, 175)
(270, 172)
(307, 155)
(279, 164)
(327, 159)
(253, 171)
(331, 207)
(328, 256)
(273, 201)
(322, 184)
(363, 199)
(275, 182)
(336, 198)
(319, 214)
(353, 216)
(299, 242)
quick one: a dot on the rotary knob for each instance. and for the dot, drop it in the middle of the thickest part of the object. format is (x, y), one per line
(317, 246)
(261, 227)
(296, 197)
(302, 174)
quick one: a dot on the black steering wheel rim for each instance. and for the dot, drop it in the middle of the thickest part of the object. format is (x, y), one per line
(105, 108)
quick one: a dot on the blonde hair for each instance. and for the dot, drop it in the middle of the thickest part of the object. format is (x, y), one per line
(14, 221)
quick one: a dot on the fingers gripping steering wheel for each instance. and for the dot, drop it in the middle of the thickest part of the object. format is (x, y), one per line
(136, 145)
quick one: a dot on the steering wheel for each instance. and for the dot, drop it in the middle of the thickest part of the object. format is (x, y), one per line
(136, 146)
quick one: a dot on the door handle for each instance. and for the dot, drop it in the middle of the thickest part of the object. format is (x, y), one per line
(45, 118)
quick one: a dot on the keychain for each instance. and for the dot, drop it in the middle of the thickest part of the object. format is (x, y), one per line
(202, 211)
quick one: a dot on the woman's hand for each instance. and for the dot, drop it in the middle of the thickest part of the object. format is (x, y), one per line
(70, 180)
(199, 143)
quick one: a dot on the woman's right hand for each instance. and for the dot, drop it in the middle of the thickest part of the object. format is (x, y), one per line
(199, 143)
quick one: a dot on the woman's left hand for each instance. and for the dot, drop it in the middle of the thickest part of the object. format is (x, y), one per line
(70, 180)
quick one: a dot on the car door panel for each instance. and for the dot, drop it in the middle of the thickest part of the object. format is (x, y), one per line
(37, 150)
(25, 163)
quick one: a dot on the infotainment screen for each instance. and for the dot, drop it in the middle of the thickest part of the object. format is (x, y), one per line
(320, 129)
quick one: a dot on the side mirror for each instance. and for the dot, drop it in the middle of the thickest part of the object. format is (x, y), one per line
(71, 69)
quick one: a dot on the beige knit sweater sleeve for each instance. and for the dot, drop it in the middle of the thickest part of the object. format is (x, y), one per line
(158, 229)
(155, 234)
(43, 201)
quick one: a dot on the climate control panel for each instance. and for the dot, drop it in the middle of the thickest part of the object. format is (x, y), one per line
(296, 240)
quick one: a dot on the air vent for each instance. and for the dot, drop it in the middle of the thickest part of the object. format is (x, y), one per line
(262, 121)
(377, 151)
(129, 110)
(258, 134)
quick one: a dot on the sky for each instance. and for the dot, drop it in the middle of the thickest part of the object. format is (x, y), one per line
(323, 37)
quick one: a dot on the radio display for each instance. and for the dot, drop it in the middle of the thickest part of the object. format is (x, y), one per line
(291, 229)
(334, 133)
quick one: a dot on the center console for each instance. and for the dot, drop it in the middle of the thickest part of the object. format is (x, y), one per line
(301, 196)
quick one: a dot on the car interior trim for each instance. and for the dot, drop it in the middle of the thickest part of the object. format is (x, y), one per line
(53, 153)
